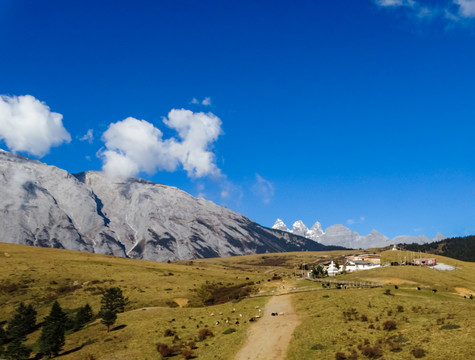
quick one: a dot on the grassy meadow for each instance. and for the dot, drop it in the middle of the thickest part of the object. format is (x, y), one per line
(335, 324)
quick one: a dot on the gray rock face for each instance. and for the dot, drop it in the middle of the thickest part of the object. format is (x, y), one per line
(42, 205)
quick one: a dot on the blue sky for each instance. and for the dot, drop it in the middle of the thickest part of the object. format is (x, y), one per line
(353, 112)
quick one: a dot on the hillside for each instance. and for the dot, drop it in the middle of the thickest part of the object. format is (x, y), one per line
(461, 248)
(166, 296)
(46, 206)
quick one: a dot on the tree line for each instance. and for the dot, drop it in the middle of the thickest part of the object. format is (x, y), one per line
(54, 326)
(460, 248)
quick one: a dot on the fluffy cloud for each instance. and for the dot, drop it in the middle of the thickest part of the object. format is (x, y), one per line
(133, 146)
(28, 125)
(353, 221)
(263, 188)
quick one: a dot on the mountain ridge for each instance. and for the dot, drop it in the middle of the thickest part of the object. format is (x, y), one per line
(340, 235)
(43, 205)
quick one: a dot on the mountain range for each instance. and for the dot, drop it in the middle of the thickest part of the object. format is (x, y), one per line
(43, 205)
(340, 235)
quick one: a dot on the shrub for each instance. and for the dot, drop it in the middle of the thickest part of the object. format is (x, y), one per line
(229, 331)
(340, 356)
(187, 354)
(389, 325)
(364, 318)
(418, 353)
(204, 333)
(388, 292)
(169, 332)
(400, 308)
(317, 347)
(166, 350)
(372, 352)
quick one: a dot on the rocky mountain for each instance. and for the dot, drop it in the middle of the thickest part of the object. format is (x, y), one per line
(45, 206)
(340, 235)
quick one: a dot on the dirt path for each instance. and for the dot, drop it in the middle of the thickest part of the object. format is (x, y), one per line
(269, 337)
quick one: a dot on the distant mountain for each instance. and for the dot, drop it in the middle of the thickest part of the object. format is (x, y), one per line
(460, 248)
(46, 206)
(340, 235)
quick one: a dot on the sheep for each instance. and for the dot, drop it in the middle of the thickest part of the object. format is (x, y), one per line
(240, 315)
(418, 288)
(281, 313)
(252, 319)
(237, 322)
(274, 314)
(257, 307)
(217, 322)
(212, 314)
(434, 290)
(471, 297)
(233, 310)
(396, 287)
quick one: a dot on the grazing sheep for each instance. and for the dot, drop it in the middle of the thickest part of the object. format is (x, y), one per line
(217, 323)
(257, 307)
(237, 322)
(471, 297)
(212, 314)
(240, 315)
(233, 310)
(252, 319)
(281, 313)
(274, 314)
(418, 288)
(396, 287)
(434, 290)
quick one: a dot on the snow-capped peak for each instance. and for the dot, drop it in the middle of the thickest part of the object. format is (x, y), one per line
(299, 228)
(280, 225)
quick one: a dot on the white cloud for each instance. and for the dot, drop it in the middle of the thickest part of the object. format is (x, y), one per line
(89, 136)
(205, 102)
(133, 146)
(385, 3)
(27, 124)
(427, 10)
(466, 8)
(263, 188)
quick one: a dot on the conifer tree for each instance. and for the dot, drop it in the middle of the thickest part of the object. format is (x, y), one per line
(114, 300)
(83, 316)
(108, 318)
(22, 323)
(16, 350)
(52, 334)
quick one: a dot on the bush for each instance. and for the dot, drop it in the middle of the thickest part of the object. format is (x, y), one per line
(389, 325)
(450, 327)
(340, 356)
(187, 354)
(400, 308)
(372, 352)
(418, 353)
(204, 333)
(166, 350)
(229, 331)
(364, 318)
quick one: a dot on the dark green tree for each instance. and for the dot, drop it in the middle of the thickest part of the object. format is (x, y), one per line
(319, 272)
(113, 300)
(3, 340)
(16, 350)
(108, 318)
(52, 334)
(83, 316)
(22, 323)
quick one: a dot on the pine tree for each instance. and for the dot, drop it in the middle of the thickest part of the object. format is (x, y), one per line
(108, 318)
(114, 300)
(83, 316)
(16, 350)
(52, 334)
(22, 323)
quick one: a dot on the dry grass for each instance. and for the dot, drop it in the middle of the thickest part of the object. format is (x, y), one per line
(39, 276)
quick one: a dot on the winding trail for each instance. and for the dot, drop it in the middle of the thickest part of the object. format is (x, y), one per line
(269, 337)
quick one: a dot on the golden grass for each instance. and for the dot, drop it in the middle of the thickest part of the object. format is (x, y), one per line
(159, 293)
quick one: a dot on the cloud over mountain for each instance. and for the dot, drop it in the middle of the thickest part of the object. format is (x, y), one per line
(27, 124)
(133, 145)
